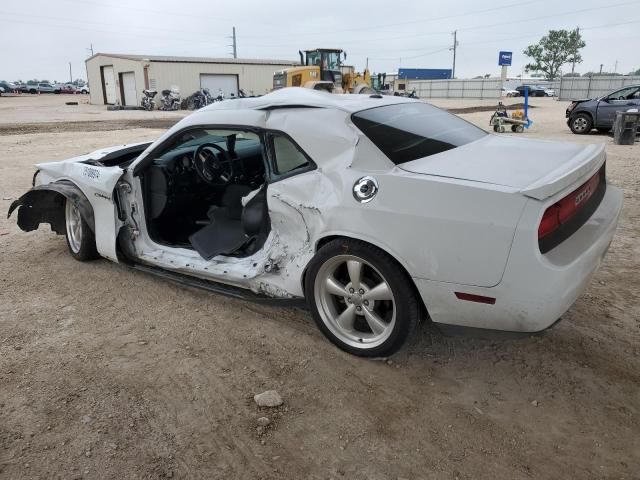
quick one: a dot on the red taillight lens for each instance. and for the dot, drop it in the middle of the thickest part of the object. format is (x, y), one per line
(562, 211)
(470, 297)
(550, 221)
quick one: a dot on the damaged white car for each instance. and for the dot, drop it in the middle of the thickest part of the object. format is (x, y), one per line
(377, 210)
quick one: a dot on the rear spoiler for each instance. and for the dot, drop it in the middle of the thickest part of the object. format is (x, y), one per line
(582, 166)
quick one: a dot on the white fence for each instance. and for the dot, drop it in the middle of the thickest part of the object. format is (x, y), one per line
(575, 88)
(477, 88)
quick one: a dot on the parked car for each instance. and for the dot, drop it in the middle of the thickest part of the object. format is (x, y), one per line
(600, 113)
(42, 88)
(67, 88)
(508, 92)
(394, 209)
(1, 90)
(549, 92)
(83, 89)
(534, 90)
(9, 87)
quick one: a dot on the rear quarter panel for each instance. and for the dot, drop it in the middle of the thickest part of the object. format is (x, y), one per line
(440, 229)
(443, 229)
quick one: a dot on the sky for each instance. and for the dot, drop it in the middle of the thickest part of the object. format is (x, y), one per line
(39, 38)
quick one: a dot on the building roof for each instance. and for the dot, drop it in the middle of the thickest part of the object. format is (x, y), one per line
(168, 58)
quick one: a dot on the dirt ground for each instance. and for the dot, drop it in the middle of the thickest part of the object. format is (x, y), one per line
(109, 373)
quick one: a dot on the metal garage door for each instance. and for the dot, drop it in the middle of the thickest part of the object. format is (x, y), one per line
(109, 83)
(217, 83)
(128, 80)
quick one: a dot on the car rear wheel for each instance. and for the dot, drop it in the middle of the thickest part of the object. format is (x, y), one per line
(361, 299)
(581, 124)
(80, 239)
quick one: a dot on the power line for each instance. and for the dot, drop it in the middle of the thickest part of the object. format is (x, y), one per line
(89, 22)
(110, 32)
(530, 19)
(464, 29)
(424, 20)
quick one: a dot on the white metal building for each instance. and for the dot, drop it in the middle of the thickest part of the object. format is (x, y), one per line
(120, 78)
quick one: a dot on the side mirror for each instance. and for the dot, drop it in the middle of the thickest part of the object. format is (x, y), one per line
(605, 99)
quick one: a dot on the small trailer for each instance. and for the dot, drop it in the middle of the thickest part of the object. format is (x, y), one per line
(500, 119)
(519, 120)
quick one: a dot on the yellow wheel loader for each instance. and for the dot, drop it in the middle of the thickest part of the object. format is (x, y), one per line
(322, 69)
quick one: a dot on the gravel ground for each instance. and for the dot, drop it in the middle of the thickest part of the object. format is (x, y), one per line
(110, 373)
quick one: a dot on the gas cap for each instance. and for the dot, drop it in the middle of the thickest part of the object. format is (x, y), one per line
(365, 189)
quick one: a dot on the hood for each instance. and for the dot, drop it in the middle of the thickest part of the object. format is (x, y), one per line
(536, 168)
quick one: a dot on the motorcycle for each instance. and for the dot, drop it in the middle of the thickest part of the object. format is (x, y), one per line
(199, 99)
(147, 101)
(170, 99)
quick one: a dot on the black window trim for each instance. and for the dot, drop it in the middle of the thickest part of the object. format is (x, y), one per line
(148, 160)
(273, 175)
(405, 103)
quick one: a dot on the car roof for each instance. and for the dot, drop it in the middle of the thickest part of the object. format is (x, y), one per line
(293, 97)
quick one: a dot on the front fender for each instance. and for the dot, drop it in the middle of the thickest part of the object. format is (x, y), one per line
(45, 204)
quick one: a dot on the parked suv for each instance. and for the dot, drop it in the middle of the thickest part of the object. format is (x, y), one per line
(534, 90)
(42, 88)
(600, 113)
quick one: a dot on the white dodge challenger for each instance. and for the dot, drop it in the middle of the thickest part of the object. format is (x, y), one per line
(377, 210)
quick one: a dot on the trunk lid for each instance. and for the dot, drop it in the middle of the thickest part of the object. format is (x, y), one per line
(537, 168)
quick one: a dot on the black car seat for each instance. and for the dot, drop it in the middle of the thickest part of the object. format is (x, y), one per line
(233, 226)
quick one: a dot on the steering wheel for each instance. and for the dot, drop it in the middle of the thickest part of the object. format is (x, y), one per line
(210, 167)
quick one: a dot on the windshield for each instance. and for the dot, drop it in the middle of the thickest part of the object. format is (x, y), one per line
(409, 131)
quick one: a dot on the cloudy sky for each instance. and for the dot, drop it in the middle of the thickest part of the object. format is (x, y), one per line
(39, 38)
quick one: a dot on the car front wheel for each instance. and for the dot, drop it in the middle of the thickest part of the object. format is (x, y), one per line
(80, 239)
(581, 124)
(361, 299)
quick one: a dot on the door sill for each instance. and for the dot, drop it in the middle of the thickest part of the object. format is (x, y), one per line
(219, 288)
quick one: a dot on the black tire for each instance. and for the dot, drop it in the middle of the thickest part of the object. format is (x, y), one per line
(581, 124)
(87, 245)
(496, 128)
(406, 298)
(32, 91)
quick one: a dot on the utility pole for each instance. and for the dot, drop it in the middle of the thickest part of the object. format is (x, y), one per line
(455, 46)
(615, 69)
(573, 64)
(70, 76)
(601, 65)
(235, 45)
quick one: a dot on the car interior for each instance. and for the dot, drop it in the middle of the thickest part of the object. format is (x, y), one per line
(194, 191)
(208, 189)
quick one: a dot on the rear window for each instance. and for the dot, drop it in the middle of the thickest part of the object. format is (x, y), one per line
(409, 131)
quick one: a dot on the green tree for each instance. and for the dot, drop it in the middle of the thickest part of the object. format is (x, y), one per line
(637, 72)
(554, 50)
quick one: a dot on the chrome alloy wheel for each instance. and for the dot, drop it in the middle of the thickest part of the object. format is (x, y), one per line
(355, 301)
(73, 222)
(580, 124)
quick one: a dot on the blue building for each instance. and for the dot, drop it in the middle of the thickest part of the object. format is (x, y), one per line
(424, 73)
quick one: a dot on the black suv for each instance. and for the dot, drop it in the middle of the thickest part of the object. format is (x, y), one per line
(534, 90)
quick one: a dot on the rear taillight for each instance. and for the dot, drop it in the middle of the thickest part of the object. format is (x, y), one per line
(550, 221)
(564, 210)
